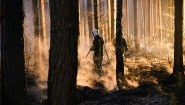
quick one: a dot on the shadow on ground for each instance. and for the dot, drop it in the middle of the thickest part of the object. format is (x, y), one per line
(152, 90)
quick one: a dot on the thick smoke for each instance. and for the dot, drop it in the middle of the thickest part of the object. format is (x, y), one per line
(87, 76)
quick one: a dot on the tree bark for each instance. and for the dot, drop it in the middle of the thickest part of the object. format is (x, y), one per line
(148, 22)
(178, 35)
(137, 44)
(160, 22)
(144, 20)
(125, 19)
(13, 63)
(85, 21)
(63, 52)
(37, 53)
(119, 52)
(36, 16)
(111, 4)
(90, 19)
(95, 14)
(82, 34)
(43, 19)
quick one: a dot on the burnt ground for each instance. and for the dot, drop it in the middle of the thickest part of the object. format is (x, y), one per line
(146, 94)
(148, 83)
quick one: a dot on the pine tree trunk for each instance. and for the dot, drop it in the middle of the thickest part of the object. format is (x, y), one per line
(178, 57)
(128, 21)
(112, 18)
(37, 52)
(126, 13)
(100, 17)
(119, 57)
(160, 22)
(95, 14)
(109, 19)
(43, 40)
(137, 44)
(85, 21)
(144, 20)
(43, 23)
(90, 19)
(149, 30)
(36, 16)
(63, 52)
(13, 63)
(82, 22)
(151, 23)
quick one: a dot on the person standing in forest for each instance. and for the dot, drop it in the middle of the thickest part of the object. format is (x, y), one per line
(97, 47)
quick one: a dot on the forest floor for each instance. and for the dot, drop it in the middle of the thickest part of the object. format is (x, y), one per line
(145, 83)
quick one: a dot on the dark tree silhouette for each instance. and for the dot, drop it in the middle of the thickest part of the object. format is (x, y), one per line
(63, 52)
(178, 35)
(13, 69)
(119, 51)
(95, 14)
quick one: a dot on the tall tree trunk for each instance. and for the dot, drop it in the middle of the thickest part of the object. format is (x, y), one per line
(137, 44)
(82, 34)
(95, 14)
(43, 41)
(36, 16)
(144, 20)
(85, 21)
(103, 21)
(90, 19)
(107, 21)
(125, 19)
(151, 22)
(178, 57)
(13, 67)
(148, 22)
(160, 22)
(157, 20)
(80, 29)
(119, 51)
(43, 19)
(63, 52)
(100, 15)
(111, 18)
(128, 21)
(37, 52)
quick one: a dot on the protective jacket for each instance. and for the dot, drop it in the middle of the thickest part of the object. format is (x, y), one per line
(98, 46)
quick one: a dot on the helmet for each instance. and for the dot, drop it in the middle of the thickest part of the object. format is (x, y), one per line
(95, 32)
